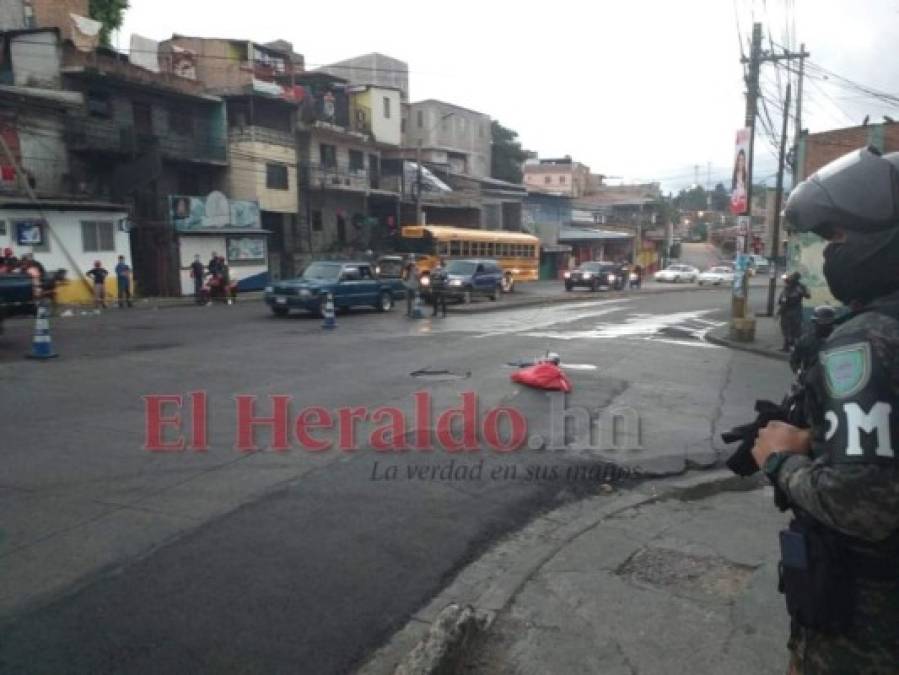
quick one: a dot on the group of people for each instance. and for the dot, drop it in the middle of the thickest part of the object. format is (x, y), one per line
(212, 280)
(123, 276)
(437, 280)
(11, 264)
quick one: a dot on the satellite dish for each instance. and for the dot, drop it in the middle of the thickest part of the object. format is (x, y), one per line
(218, 210)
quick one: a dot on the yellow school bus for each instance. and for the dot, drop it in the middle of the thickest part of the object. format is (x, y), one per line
(517, 254)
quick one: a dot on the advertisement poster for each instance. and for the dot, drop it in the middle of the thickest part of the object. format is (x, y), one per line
(246, 249)
(213, 211)
(738, 191)
(29, 232)
(741, 269)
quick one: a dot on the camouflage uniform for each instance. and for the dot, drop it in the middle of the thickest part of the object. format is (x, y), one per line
(850, 484)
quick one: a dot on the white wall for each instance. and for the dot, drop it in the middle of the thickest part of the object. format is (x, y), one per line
(386, 130)
(66, 225)
(36, 60)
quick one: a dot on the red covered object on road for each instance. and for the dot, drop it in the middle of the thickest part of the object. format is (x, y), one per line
(543, 375)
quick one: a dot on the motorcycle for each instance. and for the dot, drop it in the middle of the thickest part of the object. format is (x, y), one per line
(217, 287)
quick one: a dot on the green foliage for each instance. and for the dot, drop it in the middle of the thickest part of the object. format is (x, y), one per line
(507, 155)
(694, 199)
(110, 13)
(699, 232)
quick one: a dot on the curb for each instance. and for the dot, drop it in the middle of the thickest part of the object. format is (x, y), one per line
(745, 347)
(440, 634)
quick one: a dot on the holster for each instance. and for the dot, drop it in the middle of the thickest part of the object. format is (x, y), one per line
(815, 578)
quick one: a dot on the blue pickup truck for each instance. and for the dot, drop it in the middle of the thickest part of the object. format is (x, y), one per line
(16, 296)
(352, 284)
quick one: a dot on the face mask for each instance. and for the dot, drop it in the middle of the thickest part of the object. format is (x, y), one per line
(863, 267)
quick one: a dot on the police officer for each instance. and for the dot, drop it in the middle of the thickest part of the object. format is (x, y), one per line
(840, 556)
(790, 310)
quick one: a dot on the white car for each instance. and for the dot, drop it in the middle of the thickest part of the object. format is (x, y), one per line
(677, 273)
(717, 276)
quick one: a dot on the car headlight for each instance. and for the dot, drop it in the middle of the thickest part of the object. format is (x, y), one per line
(567, 275)
(455, 282)
(610, 277)
(269, 289)
(425, 281)
(305, 292)
(586, 275)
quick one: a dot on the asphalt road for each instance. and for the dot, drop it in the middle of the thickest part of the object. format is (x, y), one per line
(120, 560)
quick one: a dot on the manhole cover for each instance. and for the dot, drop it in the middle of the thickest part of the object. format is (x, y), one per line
(667, 568)
(439, 375)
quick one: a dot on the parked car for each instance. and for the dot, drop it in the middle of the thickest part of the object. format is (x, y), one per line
(352, 284)
(466, 279)
(717, 276)
(759, 264)
(595, 275)
(677, 273)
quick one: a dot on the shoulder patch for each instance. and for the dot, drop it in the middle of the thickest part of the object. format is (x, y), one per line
(847, 369)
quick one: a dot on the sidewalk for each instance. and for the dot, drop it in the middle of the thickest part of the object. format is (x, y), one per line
(676, 576)
(768, 338)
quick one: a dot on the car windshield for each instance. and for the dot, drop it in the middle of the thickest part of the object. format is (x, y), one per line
(322, 272)
(461, 267)
(590, 267)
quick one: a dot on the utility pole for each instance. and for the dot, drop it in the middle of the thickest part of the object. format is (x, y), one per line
(778, 199)
(798, 133)
(419, 214)
(742, 327)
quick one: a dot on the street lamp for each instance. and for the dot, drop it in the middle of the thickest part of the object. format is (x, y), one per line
(419, 214)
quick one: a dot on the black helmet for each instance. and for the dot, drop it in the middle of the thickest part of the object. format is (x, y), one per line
(824, 315)
(858, 192)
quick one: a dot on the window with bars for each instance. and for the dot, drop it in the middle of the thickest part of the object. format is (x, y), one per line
(97, 236)
(276, 176)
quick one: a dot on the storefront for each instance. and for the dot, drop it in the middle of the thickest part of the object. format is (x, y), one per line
(71, 236)
(215, 225)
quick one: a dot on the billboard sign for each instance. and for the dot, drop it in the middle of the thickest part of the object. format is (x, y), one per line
(739, 204)
(213, 211)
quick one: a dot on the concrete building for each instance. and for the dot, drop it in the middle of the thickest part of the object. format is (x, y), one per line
(377, 70)
(350, 205)
(561, 176)
(258, 83)
(449, 136)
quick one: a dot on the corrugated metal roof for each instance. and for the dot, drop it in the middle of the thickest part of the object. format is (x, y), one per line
(573, 234)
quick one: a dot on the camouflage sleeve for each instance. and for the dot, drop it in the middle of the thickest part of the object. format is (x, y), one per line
(861, 500)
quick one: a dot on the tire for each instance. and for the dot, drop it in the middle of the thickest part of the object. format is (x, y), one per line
(568, 287)
(700, 283)
(594, 286)
(280, 311)
(497, 293)
(385, 301)
(508, 284)
(466, 296)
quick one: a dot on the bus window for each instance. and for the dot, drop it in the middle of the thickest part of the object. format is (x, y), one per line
(531, 251)
(443, 248)
(488, 249)
(455, 248)
(503, 250)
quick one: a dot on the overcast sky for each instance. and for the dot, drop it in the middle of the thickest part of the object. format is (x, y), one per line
(641, 89)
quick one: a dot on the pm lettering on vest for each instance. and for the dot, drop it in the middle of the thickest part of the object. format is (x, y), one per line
(876, 420)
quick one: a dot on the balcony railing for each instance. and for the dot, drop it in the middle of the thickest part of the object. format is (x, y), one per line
(87, 134)
(340, 177)
(257, 134)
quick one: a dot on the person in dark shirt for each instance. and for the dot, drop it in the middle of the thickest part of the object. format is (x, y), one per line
(123, 282)
(98, 275)
(214, 265)
(197, 271)
(790, 310)
(438, 287)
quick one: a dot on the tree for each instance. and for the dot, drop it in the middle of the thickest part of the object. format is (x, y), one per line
(110, 13)
(720, 198)
(508, 155)
(694, 199)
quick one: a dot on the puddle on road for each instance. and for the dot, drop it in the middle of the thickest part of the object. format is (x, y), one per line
(439, 375)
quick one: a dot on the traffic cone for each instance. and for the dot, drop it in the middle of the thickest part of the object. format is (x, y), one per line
(42, 344)
(417, 313)
(330, 322)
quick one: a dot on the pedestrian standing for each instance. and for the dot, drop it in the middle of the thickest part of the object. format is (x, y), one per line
(412, 283)
(123, 282)
(98, 274)
(214, 264)
(197, 272)
(839, 569)
(438, 287)
(790, 310)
